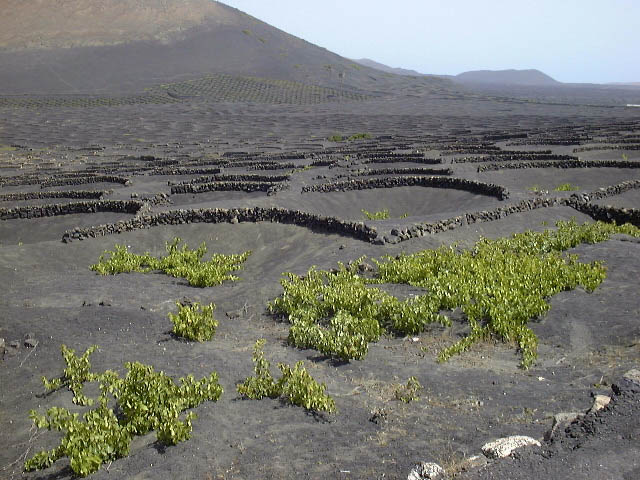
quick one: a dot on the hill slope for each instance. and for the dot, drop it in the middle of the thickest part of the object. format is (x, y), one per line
(506, 77)
(385, 68)
(92, 46)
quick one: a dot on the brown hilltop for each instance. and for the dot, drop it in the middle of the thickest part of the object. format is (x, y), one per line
(92, 46)
(46, 24)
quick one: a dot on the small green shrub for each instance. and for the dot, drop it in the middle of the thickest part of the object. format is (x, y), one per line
(180, 262)
(262, 384)
(566, 187)
(148, 400)
(381, 215)
(77, 372)
(194, 322)
(296, 385)
(359, 136)
(336, 138)
(409, 392)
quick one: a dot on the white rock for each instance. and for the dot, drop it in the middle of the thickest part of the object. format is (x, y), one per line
(426, 471)
(503, 447)
(599, 402)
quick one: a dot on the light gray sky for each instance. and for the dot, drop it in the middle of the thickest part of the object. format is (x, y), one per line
(572, 40)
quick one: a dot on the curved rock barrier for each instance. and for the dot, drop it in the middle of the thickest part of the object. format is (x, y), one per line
(407, 171)
(402, 159)
(509, 157)
(249, 177)
(271, 166)
(314, 222)
(607, 192)
(187, 171)
(268, 187)
(51, 210)
(56, 182)
(560, 164)
(629, 146)
(95, 194)
(390, 182)
(609, 213)
(421, 229)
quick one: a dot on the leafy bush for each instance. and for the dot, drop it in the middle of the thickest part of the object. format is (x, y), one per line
(499, 285)
(78, 372)
(194, 322)
(381, 215)
(566, 187)
(409, 392)
(148, 400)
(180, 262)
(295, 385)
(336, 138)
(359, 136)
(338, 314)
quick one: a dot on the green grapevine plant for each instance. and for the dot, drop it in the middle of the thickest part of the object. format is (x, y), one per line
(295, 385)
(498, 284)
(180, 262)
(148, 400)
(194, 322)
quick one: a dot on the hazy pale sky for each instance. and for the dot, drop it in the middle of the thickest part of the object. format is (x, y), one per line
(572, 40)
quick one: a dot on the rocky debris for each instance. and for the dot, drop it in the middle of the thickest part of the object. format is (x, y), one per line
(599, 402)
(609, 214)
(473, 462)
(633, 376)
(220, 215)
(426, 471)
(51, 210)
(560, 422)
(503, 447)
(479, 188)
(2, 348)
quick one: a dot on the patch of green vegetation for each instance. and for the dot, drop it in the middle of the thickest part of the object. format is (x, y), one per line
(336, 138)
(535, 188)
(145, 399)
(566, 187)
(499, 285)
(180, 262)
(381, 215)
(194, 322)
(247, 32)
(338, 314)
(295, 385)
(409, 392)
(359, 136)
(6, 148)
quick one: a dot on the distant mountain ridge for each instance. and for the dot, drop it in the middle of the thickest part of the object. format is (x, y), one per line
(507, 77)
(367, 62)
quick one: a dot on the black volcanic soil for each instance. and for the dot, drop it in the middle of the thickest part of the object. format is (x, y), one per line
(587, 341)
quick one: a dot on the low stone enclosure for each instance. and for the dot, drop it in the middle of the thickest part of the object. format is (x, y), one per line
(218, 215)
(560, 164)
(83, 194)
(36, 211)
(471, 186)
